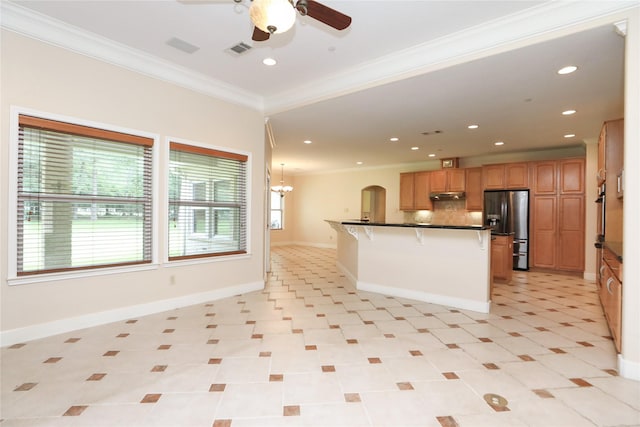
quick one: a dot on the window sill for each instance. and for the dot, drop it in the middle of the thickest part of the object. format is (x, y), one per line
(70, 275)
(205, 260)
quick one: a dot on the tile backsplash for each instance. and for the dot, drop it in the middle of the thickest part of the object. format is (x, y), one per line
(446, 212)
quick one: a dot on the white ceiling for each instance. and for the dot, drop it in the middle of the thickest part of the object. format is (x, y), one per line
(401, 69)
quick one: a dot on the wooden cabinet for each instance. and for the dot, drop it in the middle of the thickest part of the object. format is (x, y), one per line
(502, 257)
(414, 191)
(422, 189)
(544, 180)
(544, 226)
(509, 176)
(448, 180)
(571, 176)
(614, 166)
(493, 177)
(406, 191)
(610, 289)
(557, 215)
(474, 189)
(516, 175)
(610, 150)
(570, 254)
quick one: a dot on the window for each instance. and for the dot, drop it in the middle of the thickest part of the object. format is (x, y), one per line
(277, 211)
(207, 202)
(83, 197)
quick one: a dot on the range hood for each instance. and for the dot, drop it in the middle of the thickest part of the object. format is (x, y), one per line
(448, 195)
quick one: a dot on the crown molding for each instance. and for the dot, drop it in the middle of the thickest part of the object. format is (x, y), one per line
(546, 21)
(26, 22)
(543, 22)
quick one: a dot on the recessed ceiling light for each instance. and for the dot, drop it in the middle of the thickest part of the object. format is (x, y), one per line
(432, 155)
(473, 127)
(568, 112)
(269, 61)
(308, 141)
(498, 143)
(570, 135)
(415, 148)
(567, 70)
(358, 163)
(394, 139)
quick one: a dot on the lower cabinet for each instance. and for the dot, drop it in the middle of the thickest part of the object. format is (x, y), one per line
(610, 289)
(502, 258)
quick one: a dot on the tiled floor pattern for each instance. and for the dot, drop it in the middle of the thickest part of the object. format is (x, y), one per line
(310, 350)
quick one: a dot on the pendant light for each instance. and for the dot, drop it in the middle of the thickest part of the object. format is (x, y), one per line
(282, 189)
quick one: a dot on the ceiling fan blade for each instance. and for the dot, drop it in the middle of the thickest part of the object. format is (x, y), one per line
(328, 16)
(259, 35)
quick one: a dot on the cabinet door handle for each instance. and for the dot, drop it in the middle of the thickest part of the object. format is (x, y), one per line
(601, 173)
(602, 267)
(609, 282)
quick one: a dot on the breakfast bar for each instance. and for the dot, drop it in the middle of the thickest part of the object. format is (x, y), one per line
(441, 264)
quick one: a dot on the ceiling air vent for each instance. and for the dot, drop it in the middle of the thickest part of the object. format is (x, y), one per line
(182, 45)
(239, 48)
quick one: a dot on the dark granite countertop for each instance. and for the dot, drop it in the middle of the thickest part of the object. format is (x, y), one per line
(615, 248)
(413, 225)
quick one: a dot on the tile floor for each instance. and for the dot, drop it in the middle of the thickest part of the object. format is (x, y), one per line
(310, 350)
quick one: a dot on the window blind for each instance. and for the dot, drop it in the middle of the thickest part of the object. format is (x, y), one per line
(207, 202)
(84, 197)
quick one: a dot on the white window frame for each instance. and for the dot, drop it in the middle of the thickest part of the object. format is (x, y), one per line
(12, 216)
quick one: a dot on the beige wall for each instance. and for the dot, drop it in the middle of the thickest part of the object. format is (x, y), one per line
(45, 78)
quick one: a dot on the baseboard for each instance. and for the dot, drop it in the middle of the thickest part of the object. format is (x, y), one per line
(589, 276)
(628, 369)
(42, 330)
(461, 303)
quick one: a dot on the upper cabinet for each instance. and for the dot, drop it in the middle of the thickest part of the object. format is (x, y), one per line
(506, 176)
(448, 180)
(544, 180)
(493, 177)
(571, 176)
(406, 191)
(517, 175)
(475, 195)
(610, 150)
(414, 191)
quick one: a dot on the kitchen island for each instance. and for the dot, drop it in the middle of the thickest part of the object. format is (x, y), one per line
(441, 264)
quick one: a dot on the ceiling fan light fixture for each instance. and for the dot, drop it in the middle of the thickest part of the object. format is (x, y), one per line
(272, 16)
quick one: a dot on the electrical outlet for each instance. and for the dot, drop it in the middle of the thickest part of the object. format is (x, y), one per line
(172, 280)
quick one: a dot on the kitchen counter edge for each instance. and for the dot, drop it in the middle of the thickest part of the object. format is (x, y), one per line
(412, 225)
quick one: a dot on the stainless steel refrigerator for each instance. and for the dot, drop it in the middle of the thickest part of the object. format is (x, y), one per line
(507, 212)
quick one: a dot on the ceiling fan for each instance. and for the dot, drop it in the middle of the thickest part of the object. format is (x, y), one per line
(277, 16)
